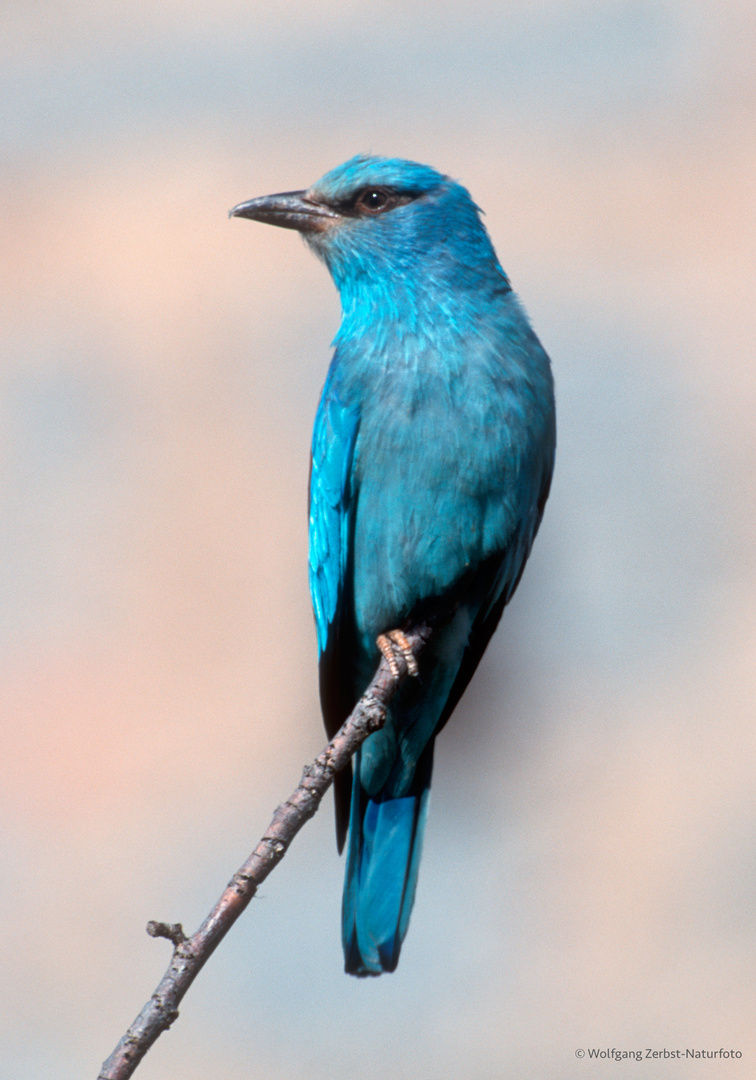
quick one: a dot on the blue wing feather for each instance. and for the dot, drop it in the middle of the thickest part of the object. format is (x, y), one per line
(331, 504)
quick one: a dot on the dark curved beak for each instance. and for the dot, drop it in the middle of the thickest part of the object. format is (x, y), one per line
(290, 210)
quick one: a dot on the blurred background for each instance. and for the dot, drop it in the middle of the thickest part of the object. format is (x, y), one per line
(589, 876)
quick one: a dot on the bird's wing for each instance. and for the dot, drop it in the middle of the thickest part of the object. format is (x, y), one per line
(498, 578)
(332, 499)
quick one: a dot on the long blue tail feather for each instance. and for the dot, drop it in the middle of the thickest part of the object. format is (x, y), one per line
(383, 859)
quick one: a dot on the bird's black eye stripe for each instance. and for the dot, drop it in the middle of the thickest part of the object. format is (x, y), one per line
(374, 200)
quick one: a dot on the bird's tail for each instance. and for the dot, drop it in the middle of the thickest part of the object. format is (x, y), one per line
(383, 859)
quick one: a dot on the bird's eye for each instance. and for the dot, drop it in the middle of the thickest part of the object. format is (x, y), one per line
(373, 200)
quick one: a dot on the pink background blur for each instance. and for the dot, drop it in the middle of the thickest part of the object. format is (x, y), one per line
(589, 876)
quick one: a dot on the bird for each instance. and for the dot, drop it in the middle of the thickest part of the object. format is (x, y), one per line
(432, 457)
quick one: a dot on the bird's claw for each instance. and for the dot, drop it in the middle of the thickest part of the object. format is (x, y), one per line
(394, 643)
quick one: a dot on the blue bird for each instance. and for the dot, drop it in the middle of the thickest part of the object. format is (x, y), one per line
(432, 457)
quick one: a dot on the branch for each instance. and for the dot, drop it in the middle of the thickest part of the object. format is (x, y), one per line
(190, 954)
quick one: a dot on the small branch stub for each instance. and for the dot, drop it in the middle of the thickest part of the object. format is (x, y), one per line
(173, 931)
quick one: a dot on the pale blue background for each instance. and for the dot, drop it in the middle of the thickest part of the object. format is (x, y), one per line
(589, 876)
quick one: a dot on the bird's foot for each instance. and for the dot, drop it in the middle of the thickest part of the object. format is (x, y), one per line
(393, 644)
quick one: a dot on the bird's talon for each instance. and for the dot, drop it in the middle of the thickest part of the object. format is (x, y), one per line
(395, 642)
(385, 644)
(406, 650)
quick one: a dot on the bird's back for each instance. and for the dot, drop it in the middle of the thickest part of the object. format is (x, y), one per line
(452, 459)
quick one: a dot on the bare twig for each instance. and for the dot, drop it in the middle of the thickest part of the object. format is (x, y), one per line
(190, 954)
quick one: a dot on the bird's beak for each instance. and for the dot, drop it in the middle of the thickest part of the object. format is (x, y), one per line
(290, 210)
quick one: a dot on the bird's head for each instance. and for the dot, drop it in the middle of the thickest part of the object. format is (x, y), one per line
(379, 223)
